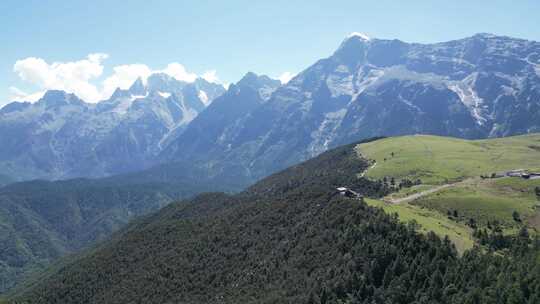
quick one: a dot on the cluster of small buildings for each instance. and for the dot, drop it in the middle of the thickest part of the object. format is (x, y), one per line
(523, 174)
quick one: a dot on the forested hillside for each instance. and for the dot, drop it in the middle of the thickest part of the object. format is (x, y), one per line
(291, 239)
(41, 221)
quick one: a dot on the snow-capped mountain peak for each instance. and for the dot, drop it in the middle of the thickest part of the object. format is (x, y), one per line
(476, 87)
(121, 134)
(358, 35)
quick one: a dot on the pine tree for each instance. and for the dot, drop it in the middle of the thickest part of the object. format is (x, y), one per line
(515, 216)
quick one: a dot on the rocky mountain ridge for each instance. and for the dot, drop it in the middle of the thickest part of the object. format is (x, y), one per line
(477, 87)
(61, 136)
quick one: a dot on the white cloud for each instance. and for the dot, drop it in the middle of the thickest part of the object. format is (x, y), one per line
(179, 72)
(72, 76)
(34, 70)
(210, 76)
(78, 77)
(286, 77)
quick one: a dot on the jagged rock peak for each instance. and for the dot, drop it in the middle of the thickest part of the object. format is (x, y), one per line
(54, 98)
(253, 80)
(138, 88)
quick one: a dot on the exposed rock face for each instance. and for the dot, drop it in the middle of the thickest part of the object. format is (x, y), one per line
(61, 136)
(482, 86)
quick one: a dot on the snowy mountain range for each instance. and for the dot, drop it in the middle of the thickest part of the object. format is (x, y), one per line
(61, 136)
(477, 87)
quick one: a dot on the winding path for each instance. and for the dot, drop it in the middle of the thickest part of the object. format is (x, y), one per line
(365, 171)
(415, 196)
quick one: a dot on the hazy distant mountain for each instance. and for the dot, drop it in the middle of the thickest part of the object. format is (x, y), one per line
(4, 180)
(211, 135)
(477, 87)
(61, 136)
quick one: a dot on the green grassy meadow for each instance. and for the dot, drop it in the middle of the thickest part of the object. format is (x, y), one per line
(487, 200)
(429, 221)
(442, 160)
(438, 160)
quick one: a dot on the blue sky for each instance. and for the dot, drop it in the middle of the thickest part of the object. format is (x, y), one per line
(228, 37)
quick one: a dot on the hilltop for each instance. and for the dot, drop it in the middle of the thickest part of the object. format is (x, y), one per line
(437, 159)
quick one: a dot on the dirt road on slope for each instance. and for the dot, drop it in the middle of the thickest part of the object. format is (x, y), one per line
(415, 196)
(365, 171)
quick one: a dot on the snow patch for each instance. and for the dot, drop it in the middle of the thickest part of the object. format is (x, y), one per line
(340, 83)
(366, 82)
(164, 94)
(188, 114)
(402, 73)
(326, 131)
(409, 103)
(125, 103)
(133, 97)
(203, 97)
(359, 35)
(469, 98)
(535, 65)
(123, 106)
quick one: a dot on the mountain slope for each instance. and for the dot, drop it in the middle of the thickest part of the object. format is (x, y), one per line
(204, 138)
(62, 137)
(287, 239)
(4, 180)
(477, 87)
(41, 221)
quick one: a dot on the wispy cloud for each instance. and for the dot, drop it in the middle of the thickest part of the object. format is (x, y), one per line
(210, 76)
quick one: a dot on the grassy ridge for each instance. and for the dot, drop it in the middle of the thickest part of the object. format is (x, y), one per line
(487, 200)
(442, 160)
(438, 160)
